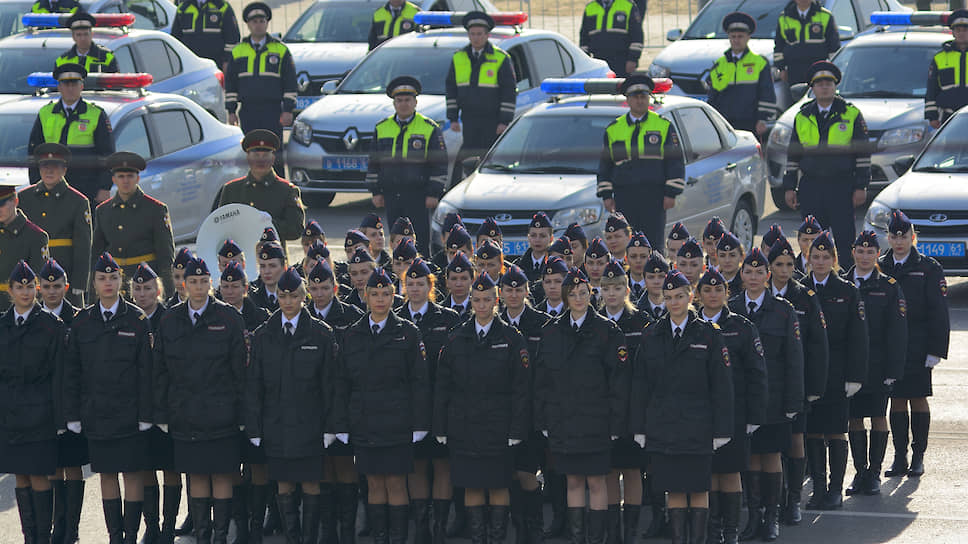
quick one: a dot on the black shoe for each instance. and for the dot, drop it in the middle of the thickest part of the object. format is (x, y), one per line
(221, 516)
(794, 482)
(497, 524)
(347, 499)
(310, 518)
(113, 520)
(240, 513)
(201, 510)
(817, 459)
(613, 524)
(698, 525)
(458, 526)
(772, 486)
(595, 530)
(899, 436)
(441, 511)
(754, 521)
(171, 497)
(714, 534)
(258, 494)
(59, 519)
(872, 484)
(273, 518)
(25, 507)
(377, 515)
(420, 508)
(917, 465)
(557, 491)
(399, 522)
(920, 424)
(857, 484)
(74, 491)
(630, 522)
(677, 524)
(151, 510)
(43, 512)
(289, 515)
(477, 521)
(730, 505)
(576, 525)
(132, 521)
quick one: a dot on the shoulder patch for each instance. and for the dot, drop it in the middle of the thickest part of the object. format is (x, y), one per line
(623, 354)
(758, 345)
(726, 356)
(860, 309)
(525, 360)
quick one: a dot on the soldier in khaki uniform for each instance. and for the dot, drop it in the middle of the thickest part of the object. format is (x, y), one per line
(19, 239)
(263, 189)
(132, 226)
(64, 213)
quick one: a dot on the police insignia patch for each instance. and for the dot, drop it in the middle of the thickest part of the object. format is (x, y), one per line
(405, 25)
(860, 310)
(620, 17)
(796, 329)
(726, 355)
(273, 59)
(87, 216)
(45, 251)
(758, 345)
(213, 17)
(653, 139)
(417, 144)
(944, 287)
(623, 354)
(423, 351)
(816, 28)
(525, 361)
(842, 127)
(902, 307)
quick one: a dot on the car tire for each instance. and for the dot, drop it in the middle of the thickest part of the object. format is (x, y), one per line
(779, 198)
(318, 200)
(743, 224)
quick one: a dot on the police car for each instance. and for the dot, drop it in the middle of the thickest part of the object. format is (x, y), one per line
(330, 38)
(327, 152)
(548, 160)
(174, 67)
(149, 14)
(190, 153)
(892, 101)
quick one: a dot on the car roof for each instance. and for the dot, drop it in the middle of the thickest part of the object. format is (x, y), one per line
(457, 37)
(112, 102)
(61, 37)
(893, 35)
(606, 104)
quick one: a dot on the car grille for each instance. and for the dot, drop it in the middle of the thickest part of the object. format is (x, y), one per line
(332, 142)
(955, 225)
(337, 175)
(515, 227)
(689, 85)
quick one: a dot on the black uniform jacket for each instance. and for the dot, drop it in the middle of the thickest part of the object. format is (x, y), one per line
(340, 317)
(529, 325)
(435, 327)
(813, 337)
(844, 311)
(746, 358)
(252, 315)
(887, 328)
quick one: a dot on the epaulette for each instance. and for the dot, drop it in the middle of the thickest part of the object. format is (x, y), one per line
(810, 292)
(715, 325)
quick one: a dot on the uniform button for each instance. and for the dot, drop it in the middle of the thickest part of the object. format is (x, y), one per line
(46, 193)
(43, 214)
(122, 206)
(120, 227)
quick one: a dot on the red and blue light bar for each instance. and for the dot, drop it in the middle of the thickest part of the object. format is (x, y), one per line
(96, 80)
(596, 85)
(58, 20)
(456, 18)
(911, 18)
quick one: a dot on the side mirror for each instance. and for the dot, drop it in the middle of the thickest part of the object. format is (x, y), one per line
(674, 34)
(797, 91)
(329, 87)
(903, 163)
(845, 34)
(469, 164)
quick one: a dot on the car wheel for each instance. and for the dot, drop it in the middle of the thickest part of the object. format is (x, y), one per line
(318, 200)
(779, 198)
(744, 223)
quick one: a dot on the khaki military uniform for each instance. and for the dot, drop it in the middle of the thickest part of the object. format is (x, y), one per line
(21, 239)
(273, 195)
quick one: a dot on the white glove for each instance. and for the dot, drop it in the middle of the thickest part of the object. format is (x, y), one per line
(640, 440)
(418, 436)
(241, 427)
(791, 415)
(751, 428)
(889, 381)
(163, 427)
(61, 431)
(545, 433)
(513, 442)
(614, 437)
(328, 439)
(442, 440)
(74, 427)
(256, 441)
(142, 426)
(343, 437)
(813, 398)
(720, 442)
(851, 388)
(931, 361)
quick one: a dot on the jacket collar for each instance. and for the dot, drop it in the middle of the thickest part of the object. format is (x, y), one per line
(58, 190)
(838, 106)
(17, 225)
(80, 108)
(133, 201)
(266, 180)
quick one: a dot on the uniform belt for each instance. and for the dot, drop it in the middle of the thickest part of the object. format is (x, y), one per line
(4, 287)
(131, 261)
(60, 242)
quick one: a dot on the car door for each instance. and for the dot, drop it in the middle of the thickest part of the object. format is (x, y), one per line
(707, 192)
(526, 74)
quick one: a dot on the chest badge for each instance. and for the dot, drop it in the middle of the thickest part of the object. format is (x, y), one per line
(213, 17)
(842, 127)
(816, 28)
(653, 139)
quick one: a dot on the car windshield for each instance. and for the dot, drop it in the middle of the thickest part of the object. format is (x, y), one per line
(709, 23)
(10, 13)
(428, 64)
(13, 137)
(948, 151)
(864, 76)
(17, 63)
(328, 22)
(553, 144)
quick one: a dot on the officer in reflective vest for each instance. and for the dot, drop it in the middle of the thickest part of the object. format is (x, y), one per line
(85, 52)
(55, 6)
(948, 75)
(83, 127)
(641, 170)
(481, 90)
(611, 30)
(207, 27)
(20, 239)
(805, 33)
(407, 171)
(390, 20)
(64, 213)
(829, 160)
(740, 83)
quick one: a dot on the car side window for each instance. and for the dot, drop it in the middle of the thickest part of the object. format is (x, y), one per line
(547, 58)
(174, 125)
(843, 11)
(866, 8)
(132, 135)
(702, 138)
(148, 14)
(125, 59)
(566, 59)
(194, 127)
(521, 70)
(156, 59)
(726, 133)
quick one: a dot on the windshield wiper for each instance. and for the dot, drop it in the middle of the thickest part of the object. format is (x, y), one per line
(879, 94)
(550, 169)
(942, 170)
(498, 167)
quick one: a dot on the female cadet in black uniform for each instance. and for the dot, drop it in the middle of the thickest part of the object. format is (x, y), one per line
(886, 312)
(776, 322)
(434, 322)
(813, 338)
(929, 328)
(200, 358)
(526, 500)
(32, 342)
(749, 405)
(682, 406)
(403, 255)
(290, 403)
(384, 378)
(843, 309)
(178, 276)
(582, 381)
(622, 526)
(458, 277)
(729, 256)
(107, 392)
(482, 407)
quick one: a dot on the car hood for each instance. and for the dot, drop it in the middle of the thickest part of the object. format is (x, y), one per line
(879, 113)
(927, 191)
(486, 191)
(696, 56)
(326, 59)
(338, 111)
(14, 174)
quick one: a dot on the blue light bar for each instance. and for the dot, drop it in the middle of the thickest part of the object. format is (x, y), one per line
(41, 79)
(41, 19)
(563, 86)
(434, 18)
(914, 18)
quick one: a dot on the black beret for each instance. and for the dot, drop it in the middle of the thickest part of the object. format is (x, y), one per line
(290, 281)
(271, 250)
(313, 228)
(674, 280)
(772, 235)
(596, 249)
(679, 232)
(402, 226)
(22, 273)
(867, 238)
(614, 269)
(575, 276)
(361, 255)
(460, 263)
(657, 264)
(405, 250)
(196, 267)
(488, 250)
(690, 250)
(728, 242)
(379, 278)
(181, 258)
(899, 223)
(371, 221)
(712, 277)
(780, 248)
(575, 232)
(483, 282)
(616, 221)
(269, 234)
(755, 258)
(714, 229)
(489, 228)
(321, 272)
(458, 237)
(318, 251)
(418, 269)
(562, 245)
(639, 239)
(810, 225)
(823, 242)
(355, 237)
(540, 220)
(554, 265)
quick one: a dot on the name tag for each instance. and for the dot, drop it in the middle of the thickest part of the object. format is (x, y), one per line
(730, 334)
(126, 334)
(309, 348)
(915, 273)
(838, 300)
(439, 329)
(496, 346)
(400, 339)
(799, 312)
(534, 338)
(698, 346)
(877, 294)
(633, 333)
(216, 327)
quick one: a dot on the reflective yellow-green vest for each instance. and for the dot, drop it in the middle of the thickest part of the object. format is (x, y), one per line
(38, 8)
(949, 65)
(838, 134)
(413, 139)
(813, 30)
(645, 140)
(605, 20)
(384, 17)
(81, 131)
(745, 71)
(487, 72)
(208, 25)
(245, 51)
(91, 63)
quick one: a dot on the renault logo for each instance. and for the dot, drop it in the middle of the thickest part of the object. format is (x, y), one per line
(351, 138)
(502, 217)
(938, 218)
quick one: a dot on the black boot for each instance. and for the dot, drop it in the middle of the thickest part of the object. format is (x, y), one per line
(858, 452)
(289, 515)
(201, 511)
(74, 503)
(328, 515)
(772, 486)
(221, 517)
(534, 516)
(714, 535)
(899, 435)
(377, 516)
(794, 487)
(838, 467)
(347, 500)
(519, 510)
(258, 495)
(613, 524)
(171, 497)
(817, 458)
(677, 524)
(458, 527)
(658, 523)
(698, 524)
(497, 524)
(273, 518)
(188, 526)
(730, 505)
(576, 525)
(920, 424)
(630, 522)
(113, 520)
(240, 513)
(310, 518)
(25, 507)
(597, 520)
(877, 449)
(558, 493)
(132, 521)
(441, 511)
(59, 520)
(754, 522)
(43, 512)
(363, 492)
(476, 519)
(151, 512)
(399, 523)
(421, 520)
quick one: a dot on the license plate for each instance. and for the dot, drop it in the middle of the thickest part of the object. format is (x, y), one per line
(942, 249)
(515, 248)
(346, 163)
(303, 102)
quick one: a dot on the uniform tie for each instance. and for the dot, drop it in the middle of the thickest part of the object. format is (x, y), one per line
(197, 316)
(480, 336)
(272, 298)
(752, 306)
(376, 329)
(575, 326)
(107, 316)
(553, 313)
(636, 291)
(677, 334)
(417, 317)
(818, 288)
(458, 308)
(20, 320)
(289, 331)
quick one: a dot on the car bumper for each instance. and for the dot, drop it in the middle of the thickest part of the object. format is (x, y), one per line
(939, 248)
(515, 232)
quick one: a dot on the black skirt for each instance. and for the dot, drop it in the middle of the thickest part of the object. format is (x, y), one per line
(29, 458)
(72, 450)
(428, 448)
(302, 469)
(626, 453)
(251, 454)
(582, 464)
(913, 385)
(384, 460)
(774, 438)
(161, 450)
(218, 456)
(868, 405)
(680, 473)
(128, 454)
(828, 417)
(482, 472)
(339, 449)
(734, 456)
(800, 423)
(529, 455)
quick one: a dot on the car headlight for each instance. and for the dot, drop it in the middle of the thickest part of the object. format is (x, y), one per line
(658, 70)
(780, 135)
(878, 215)
(583, 215)
(443, 208)
(901, 136)
(302, 132)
